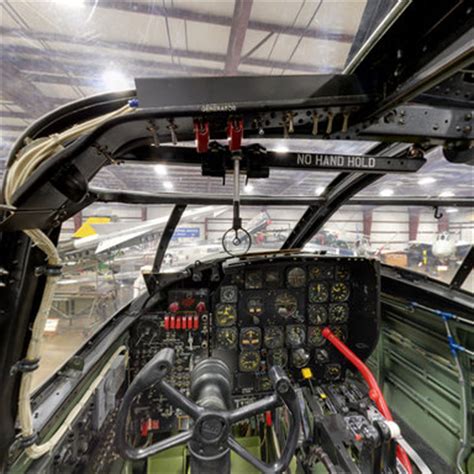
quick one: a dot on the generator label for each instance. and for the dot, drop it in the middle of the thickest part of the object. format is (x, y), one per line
(335, 161)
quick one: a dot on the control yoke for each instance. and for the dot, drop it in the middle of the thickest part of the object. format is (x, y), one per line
(209, 438)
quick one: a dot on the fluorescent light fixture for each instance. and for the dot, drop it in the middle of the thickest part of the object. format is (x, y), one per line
(451, 210)
(168, 185)
(248, 188)
(71, 3)
(427, 180)
(387, 192)
(115, 80)
(161, 170)
(446, 194)
(281, 149)
(320, 190)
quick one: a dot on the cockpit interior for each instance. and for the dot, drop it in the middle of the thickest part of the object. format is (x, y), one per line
(251, 251)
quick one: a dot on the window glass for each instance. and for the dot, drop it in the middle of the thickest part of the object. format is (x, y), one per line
(104, 249)
(199, 233)
(410, 238)
(468, 284)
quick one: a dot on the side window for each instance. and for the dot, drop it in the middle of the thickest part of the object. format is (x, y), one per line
(104, 250)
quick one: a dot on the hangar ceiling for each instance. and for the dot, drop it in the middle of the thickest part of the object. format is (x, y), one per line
(57, 51)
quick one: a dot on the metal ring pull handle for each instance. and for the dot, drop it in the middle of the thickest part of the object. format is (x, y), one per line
(210, 436)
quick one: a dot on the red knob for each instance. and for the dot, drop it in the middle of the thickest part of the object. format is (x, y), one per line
(201, 307)
(174, 307)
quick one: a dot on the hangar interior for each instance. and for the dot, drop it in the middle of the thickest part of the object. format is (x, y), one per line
(64, 51)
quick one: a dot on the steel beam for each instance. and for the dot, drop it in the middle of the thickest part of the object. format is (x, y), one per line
(238, 30)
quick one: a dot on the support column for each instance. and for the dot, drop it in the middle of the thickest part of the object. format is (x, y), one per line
(77, 221)
(413, 224)
(367, 216)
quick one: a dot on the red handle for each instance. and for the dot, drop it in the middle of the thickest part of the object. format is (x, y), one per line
(375, 393)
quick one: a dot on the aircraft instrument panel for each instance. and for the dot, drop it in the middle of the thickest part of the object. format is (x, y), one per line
(273, 313)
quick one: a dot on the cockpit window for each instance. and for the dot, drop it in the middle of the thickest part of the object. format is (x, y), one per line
(405, 237)
(200, 237)
(104, 249)
(80, 53)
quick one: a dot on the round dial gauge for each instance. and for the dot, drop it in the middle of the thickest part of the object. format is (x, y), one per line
(340, 291)
(272, 278)
(321, 271)
(147, 332)
(249, 361)
(300, 357)
(318, 292)
(255, 306)
(254, 280)
(250, 338)
(315, 336)
(321, 356)
(273, 337)
(338, 313)
(296, 277)
(295, 335)
(317, 314)
(340, 332)
(226, 315)
(227, 338)
(286, 305)
(229, 294)
(278, 357)
(342, 273)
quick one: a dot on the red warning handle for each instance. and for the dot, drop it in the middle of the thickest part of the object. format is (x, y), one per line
(235, 133)
(375, 393)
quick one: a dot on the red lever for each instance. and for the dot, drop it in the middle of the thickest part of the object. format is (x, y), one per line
(172, 322)
(201, 132)
(235, 133)
(178, 322)
(167, 323)
(375, 393)
(268, 418)
(190, 322)
(196, 323)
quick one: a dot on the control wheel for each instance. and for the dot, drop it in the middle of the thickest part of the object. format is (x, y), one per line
(210, 436)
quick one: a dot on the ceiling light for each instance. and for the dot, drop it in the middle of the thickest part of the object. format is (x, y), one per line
(446, 194)
(452, 210)
(161, 170)
(248, 188)
(281, 149)
(427, 180)
(320, 190)
(168, 185)
(386, 192)
(115, 80)
(71, 3)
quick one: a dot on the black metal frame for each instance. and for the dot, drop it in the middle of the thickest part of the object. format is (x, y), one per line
(412, 58)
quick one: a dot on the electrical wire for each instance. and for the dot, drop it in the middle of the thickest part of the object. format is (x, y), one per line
(26, 162)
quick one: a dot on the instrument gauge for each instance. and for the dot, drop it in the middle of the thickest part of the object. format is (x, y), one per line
(340, 291)
(322, 271)
(317, 314)
(295, 335)
(278, 357)
(296, 277)
(300, 358)
(226, 315)
(226, 338)
(273, 337)
(249, 361)
(272, 278)
(338, 313)
(340, 332)
(285, 305)
(254, 280)
(255, 306)
(318, 292)
(315, 336)
(342, 273)
(250, 338)
(229, 294)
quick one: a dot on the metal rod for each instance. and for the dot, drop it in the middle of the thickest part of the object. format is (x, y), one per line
(374, 38)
